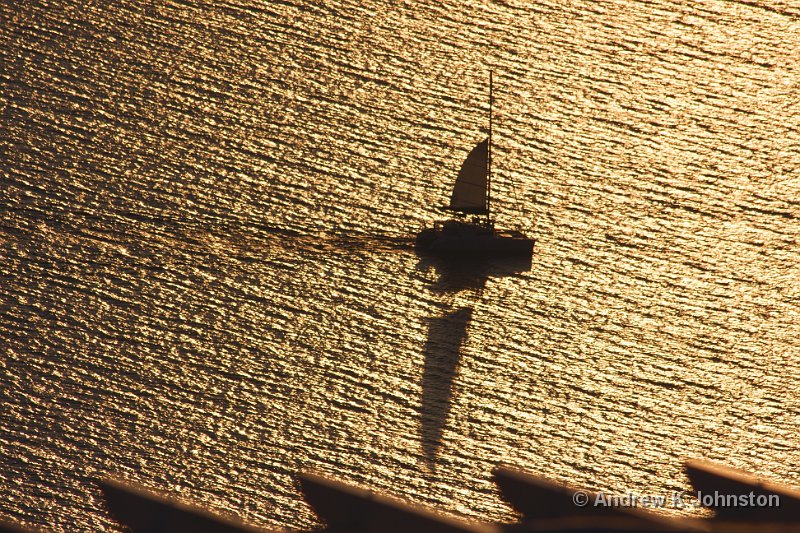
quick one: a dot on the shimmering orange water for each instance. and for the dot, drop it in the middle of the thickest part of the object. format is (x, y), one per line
(198, 292)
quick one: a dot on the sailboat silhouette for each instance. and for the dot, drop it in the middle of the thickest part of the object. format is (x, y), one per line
(472, 196)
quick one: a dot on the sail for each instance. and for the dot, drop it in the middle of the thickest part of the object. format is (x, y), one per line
(469, 194)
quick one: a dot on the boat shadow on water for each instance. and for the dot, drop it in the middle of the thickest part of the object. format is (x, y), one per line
(447, 335)
(457, 274)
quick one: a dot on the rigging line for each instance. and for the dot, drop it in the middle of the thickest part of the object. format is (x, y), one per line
(516, 199)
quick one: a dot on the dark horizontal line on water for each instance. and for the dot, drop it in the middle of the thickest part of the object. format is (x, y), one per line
(782, 214)
(783, 12)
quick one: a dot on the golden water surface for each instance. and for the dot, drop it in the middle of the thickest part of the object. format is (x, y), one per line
(207, 280)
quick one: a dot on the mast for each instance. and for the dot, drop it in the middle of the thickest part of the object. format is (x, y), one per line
(489, 161)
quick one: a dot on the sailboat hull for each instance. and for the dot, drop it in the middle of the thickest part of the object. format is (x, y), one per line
(467, 240)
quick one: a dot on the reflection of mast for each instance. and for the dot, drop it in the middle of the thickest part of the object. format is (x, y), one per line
(489, 158)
